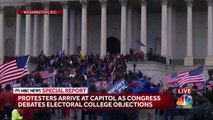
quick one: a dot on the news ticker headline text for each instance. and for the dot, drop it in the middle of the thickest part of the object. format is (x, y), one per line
(95, 101)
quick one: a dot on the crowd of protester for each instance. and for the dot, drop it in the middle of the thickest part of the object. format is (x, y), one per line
(83, 70)
(132, 56)
(76, 71)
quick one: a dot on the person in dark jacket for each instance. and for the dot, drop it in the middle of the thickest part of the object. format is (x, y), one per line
(2, 112)
(150, 54)
(150, 88)
(76, 114)
(92, 113)
(169, 114)
(7, 100)
(209, 95)
(42, 114)
(202, 105)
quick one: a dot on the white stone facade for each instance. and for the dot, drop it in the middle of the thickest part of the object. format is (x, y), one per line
(178, 34)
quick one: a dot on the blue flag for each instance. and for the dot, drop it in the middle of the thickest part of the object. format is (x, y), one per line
(119, 87)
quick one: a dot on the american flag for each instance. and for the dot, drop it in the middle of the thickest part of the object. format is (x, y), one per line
(46, 74)
(174, 89)
(14, 70)
(171, 78)
(193, 76)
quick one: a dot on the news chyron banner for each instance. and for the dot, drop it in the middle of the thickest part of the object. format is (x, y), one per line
(78, 98)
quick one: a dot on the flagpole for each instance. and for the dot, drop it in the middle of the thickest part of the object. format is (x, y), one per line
(204, 79)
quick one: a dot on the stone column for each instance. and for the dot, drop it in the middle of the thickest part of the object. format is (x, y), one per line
(72, 32)
(164, 44)
(189, 54)
(2, 45)
(46, 39)
(123, 26)
(84, 26)
(209, 58)
(103, 27)
(135, 23)
(35, 36)
(174, 47)
(170, 32)
(28, 33)
(65, 28)
(129, 28)
(18, 33)
(78, 31)
(143, 26)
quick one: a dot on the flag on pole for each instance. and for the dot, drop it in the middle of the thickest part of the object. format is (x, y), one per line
(140, 43)
(46, 74)
(14, 69)
(113, 75)
(193, 76)
(174, 87)
(173, 78)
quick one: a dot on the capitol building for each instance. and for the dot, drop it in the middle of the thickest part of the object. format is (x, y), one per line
(180, 30)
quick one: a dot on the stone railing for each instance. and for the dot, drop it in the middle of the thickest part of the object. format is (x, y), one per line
(199, 61)
(154, 58)
(34, 60)
(8, 58)
(130, 58)
(157, 59)
(178, 62)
